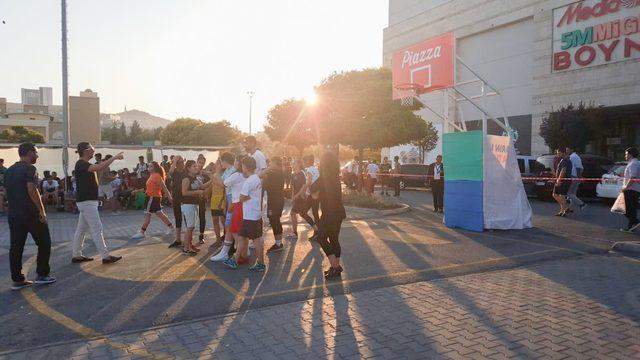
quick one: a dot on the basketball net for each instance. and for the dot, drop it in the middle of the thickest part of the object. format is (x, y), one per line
(408, 92)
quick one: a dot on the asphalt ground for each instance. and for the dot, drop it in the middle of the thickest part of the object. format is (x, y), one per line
(154, 285)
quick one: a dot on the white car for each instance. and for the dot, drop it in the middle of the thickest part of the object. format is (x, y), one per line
(611, 184)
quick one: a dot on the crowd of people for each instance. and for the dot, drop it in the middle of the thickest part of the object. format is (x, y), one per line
(239, 191)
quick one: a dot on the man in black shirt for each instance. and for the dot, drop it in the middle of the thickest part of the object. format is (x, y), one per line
(435, 176)
(87, 202)
(273, 184)
(27, 216)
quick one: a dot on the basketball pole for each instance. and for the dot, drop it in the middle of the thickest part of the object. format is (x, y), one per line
(65, 93)
(250, 93)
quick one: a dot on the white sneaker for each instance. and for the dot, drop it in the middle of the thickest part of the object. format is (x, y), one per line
(138, 235)
(222, 255)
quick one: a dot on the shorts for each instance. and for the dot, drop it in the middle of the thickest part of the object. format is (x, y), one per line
(275, 207)
(51, 190)
(251, 229)
(106, 191)
(236, 218)
(154, 205)
(562, 189)
(189, 215)
(217, 212)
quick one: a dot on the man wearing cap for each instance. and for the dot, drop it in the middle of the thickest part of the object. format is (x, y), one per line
(87, 202)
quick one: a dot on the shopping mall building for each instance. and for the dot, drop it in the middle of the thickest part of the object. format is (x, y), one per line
(541, 55)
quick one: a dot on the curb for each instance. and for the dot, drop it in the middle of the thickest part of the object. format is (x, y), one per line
(404, 208)
(631, 248)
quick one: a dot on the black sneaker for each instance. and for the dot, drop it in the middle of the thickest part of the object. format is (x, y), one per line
(275, 248)
(17, 285)
(201, 238)
(175, 244)
(111, 259)
(41, 280)
(79, 259)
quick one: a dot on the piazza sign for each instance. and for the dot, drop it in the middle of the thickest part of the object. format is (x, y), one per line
(595, 32)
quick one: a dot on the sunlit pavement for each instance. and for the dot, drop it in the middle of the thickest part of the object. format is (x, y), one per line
(411, 288)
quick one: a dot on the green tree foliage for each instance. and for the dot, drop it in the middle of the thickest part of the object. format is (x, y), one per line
(289, 123)
(135, 134)
(117, 135)
(572, 126)
(188, 131)
(20, 134)
(428, 142)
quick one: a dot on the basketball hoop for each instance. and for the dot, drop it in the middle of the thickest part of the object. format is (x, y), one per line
(410, 90)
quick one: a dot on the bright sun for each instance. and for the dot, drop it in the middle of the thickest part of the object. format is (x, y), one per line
(311, 99)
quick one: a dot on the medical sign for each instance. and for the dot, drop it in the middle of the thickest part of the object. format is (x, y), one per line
(595, 32)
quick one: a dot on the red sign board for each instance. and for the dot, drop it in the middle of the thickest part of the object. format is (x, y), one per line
(429, 63)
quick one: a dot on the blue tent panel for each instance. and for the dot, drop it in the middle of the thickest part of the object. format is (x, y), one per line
(463, 205)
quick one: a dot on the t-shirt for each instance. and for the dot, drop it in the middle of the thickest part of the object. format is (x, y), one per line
(564, 164)
(273, 184)
(194, 184)
(576, 163)
(217, 196)
(86, 181)
(235, 182)
(385, 168)
(116, 184)
(176, 184)
(2, 171)
(315, 175)
(140, 168)
(372, 170)
(50, 186)
(154, 185)
(261, 161)
(252, 208)
(15, 181)
(632, 171)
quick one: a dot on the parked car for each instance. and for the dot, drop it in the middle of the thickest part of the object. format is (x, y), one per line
(611, 184)
(529, 168)
(418, 176)
(594, 167)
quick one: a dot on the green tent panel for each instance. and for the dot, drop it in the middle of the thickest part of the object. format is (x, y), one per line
(463, 155)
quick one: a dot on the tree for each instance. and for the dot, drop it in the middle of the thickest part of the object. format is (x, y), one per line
(428, 142)
(572, 126)
(187, 131)
(356, 109)
(288, 123)
(135, 134)
(21, 134)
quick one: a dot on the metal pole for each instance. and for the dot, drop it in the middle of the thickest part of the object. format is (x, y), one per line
(65, 93)
(250, 93)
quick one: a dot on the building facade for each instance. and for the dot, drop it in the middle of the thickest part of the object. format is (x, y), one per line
(542, 55)
(40, 96)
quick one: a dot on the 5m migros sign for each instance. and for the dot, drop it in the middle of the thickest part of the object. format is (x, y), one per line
(595, 32)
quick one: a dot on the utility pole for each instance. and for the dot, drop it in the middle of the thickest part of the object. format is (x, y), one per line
(65, 93)
(250, 93)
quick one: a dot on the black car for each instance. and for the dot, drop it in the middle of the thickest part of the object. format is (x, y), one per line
(417, 175)
(594, 167)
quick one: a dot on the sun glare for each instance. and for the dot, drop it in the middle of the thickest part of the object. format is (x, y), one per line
(311, 99)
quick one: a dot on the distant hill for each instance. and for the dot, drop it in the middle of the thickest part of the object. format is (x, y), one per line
(146, 120)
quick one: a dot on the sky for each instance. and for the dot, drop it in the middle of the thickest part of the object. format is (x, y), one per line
(189, 58)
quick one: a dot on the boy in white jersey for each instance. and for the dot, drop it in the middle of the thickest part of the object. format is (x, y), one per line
(251, 198)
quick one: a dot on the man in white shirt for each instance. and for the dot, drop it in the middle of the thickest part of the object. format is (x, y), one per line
(576, 172)
(251, 198)
(251, 146)
(50, 189)
(372, 175)
(631, 188)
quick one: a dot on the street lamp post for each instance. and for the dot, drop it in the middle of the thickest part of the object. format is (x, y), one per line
(65, 92)
(250, 93)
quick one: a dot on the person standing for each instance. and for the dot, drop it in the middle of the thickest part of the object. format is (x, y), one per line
(251, 198)
(435, 176)
(87, 203)
(140, 166)
(192, 194)
(227, 159)
(204, 178)
(397, 170)
(26, 216)
(631, 188)
(385, 176)
(104, 186)
(287, 169)
(251, 147)
(155, 189)
(563, 182)
(218, 201)
(300, 204)
(372, 176)
(273, 184)
(333, 213)
(3, 193)
(177, 173)
(312, 191)
(576, 173)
